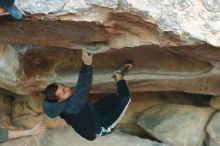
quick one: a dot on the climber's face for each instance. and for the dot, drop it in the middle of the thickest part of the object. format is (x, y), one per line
(63, 92)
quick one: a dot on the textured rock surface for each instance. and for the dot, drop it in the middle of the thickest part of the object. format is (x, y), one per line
(9, 65)
(27, 111)
(187, 99)
(169, 42)
(215, 102)
(118, 23)
(179, 125)
(6, 109)
(213, 130)
(24, 111)
(140, 102)
(58, 137)
(156, 69)
(173, 16)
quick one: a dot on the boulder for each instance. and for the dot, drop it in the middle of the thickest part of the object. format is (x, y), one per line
(213, 130)
(179, 125)
(67, 137)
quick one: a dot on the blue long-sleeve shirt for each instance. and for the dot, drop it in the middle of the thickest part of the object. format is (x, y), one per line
(79, 112)
(80, 96)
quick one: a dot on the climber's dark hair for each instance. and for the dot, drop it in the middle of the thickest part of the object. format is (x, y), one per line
(50, 92)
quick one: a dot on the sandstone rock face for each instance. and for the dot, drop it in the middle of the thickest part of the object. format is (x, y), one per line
(189, 20)
(215, 102)
(187, 99)
(174, 44)
(179, 125)
(139, 102)
(68, 137)
(6, 110)
(9, 65)
(18, 112)
(27, 111)
(212, 5)
(156, 69)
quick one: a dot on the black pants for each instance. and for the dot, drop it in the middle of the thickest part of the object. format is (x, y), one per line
(111, 108)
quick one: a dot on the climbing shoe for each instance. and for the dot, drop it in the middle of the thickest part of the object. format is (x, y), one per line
(127, 65)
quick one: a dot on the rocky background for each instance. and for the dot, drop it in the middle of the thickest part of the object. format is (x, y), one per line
(175, 83)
